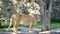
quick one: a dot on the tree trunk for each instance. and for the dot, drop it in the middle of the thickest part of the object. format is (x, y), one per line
(45, 15)
(49, 14)
(42, 15)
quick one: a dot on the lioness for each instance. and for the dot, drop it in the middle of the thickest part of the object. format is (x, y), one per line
(25, 19)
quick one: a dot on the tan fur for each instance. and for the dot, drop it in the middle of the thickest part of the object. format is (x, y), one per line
(27, 19)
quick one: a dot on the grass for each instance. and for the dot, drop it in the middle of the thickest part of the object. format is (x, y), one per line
(4, 24)
(55, 25)
(37, 25)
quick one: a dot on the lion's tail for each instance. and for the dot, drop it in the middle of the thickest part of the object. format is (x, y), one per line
(9, 25)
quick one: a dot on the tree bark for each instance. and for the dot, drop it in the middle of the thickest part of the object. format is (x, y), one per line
(45, 14)
(49, 14)
(42, 15)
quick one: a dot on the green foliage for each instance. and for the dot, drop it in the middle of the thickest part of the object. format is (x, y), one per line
(3, 24)
(0, 23)
(55, 25)
(55, 19)
(38, 25)
(8, 9)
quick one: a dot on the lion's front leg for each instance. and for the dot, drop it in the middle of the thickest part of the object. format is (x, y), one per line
(32, 24)
(31, 27)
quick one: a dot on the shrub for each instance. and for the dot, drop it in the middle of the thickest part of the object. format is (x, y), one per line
(55, 19)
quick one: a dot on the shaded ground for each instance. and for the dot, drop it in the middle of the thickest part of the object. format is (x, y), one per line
(35, 31)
